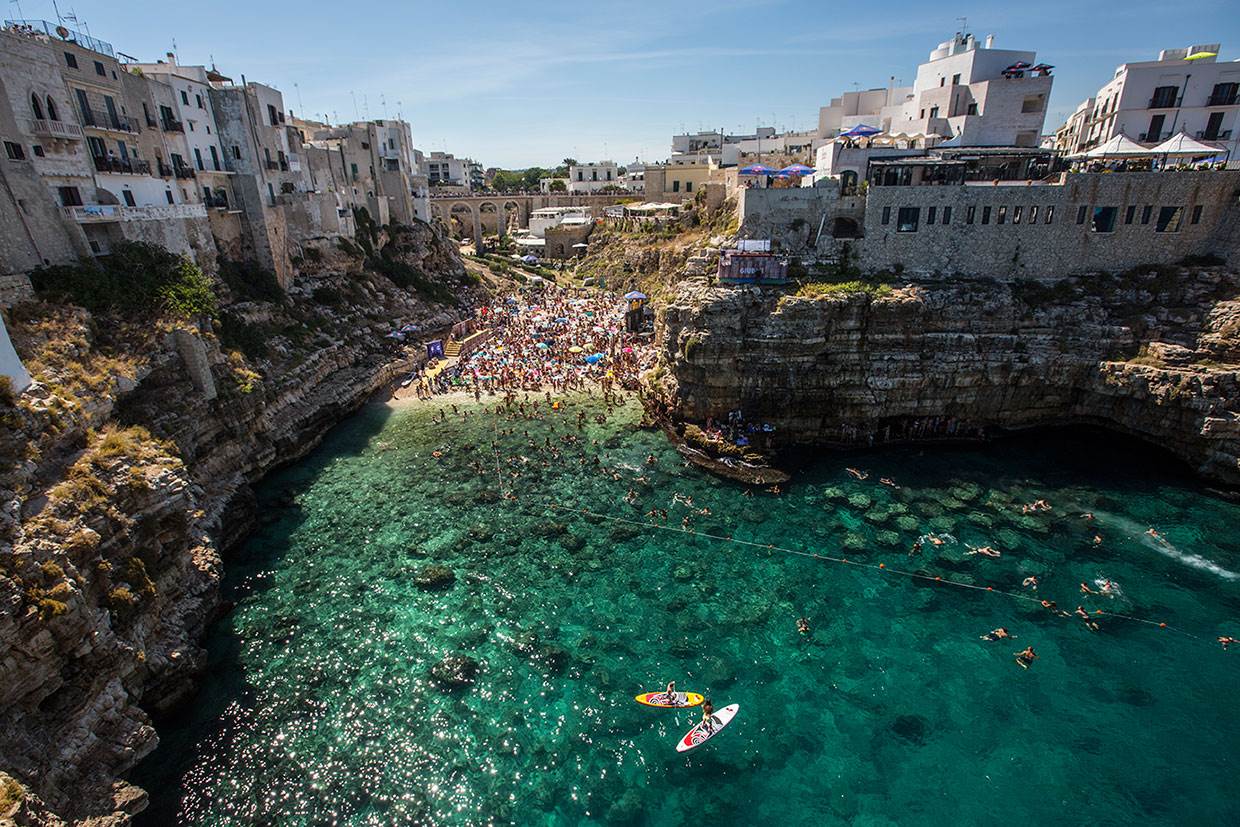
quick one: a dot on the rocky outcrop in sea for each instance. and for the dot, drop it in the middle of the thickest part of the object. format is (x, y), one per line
(1154, 354)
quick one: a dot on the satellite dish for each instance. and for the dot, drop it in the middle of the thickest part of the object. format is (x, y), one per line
(63, 32)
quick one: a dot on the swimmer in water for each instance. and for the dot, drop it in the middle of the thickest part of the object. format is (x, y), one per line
(935, 540)
(1097, 539)
(1088, 516)
(1085, 589)
(803, 626)
(888, 481)
(1226, 641)
(985, 551)
(1150, 531)
(1026, 657)
(860, 475)
(916, 549)
(1084, 616)
(1030, 582)
(998, 634)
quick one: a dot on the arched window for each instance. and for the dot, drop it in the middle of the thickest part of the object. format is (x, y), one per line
(51, 109)
(36, 106)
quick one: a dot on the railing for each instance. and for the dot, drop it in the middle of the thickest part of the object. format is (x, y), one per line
(173, 125)
(215, 202)
(55, 129)
(1223, 135)
(184, 172)
(294, 163)
(163, 169)
(151, 123)
(125, 166)
(119, 123)
(95, 213)
(1223, 100)
(1151, 137)
(1160, 102)
(50, 29)
(272, 165)
(283, 165)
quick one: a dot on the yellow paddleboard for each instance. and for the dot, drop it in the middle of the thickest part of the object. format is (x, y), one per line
(659, 699)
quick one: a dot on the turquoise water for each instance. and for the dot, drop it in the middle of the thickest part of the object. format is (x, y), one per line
(319, 709)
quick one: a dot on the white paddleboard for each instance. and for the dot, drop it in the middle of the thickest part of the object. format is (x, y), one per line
(700, 735)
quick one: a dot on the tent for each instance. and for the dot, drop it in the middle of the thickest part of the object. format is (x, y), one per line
(1121, 146)
(798, 169)
(1183, 145)
(860, 131)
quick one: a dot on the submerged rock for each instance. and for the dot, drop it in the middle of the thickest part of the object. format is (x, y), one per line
(434, 578)
(455, 671)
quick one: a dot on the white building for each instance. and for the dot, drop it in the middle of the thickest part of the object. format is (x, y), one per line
(1073, 135)
(443, 169)
(1186, 90)
(868, 107)
(978, 95)
(593, 176)
(542, 219)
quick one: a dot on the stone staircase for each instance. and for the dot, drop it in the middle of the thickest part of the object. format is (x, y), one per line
(452, 349)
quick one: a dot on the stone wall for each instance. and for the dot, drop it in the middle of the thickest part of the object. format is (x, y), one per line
(994, 231)
(1153, 355)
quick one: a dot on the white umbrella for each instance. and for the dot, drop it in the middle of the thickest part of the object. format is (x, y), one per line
(1181, 144)
(1121, 146)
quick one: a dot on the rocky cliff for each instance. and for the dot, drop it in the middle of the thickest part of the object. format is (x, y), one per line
(1154, 354)
(126, 470)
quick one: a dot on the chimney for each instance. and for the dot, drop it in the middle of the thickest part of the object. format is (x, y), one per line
(990, 41)
(172, 58)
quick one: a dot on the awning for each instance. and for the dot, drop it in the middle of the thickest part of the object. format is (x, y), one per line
(1121, 146)
(1181, 144)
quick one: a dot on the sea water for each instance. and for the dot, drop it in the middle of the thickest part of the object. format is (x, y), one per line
(318, 707)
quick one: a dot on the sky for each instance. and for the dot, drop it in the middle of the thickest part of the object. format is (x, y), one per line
(529, 82)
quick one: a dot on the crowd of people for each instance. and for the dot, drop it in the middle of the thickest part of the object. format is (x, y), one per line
(550, 339)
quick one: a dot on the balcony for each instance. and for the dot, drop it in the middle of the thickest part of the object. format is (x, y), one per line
(182, 171)
(272, 165)
(122, 166)
(113, 123)
(1164, 102)
(163, 169)
(1222, 135)
(1223, 100)
(1153, 137)
(283, 165)
(173, 125)
(215, 202)
(101, 213)
(62, 130)
(151, 123)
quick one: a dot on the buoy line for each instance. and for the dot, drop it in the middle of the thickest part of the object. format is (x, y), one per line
(878, 567)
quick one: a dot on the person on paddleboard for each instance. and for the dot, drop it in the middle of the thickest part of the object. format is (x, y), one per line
(708, 717)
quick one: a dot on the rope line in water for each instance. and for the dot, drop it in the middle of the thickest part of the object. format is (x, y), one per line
(883, 567)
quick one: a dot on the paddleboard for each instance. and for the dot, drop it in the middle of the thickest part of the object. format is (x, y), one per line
(659, 699)
(698, 735)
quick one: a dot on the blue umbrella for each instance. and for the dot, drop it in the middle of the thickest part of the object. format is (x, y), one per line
(757, 169)
(860, 131)
(798, 169)
(635, 295)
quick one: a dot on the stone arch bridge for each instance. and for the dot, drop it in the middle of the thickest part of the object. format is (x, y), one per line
(496, 213)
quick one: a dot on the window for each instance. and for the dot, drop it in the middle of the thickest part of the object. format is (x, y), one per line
(1081, 212)
(579, 174)
(594, 175)
(1104, 219)
(184, 97)
(208, 129)
(956, 79)
(1031, 103)
(365, 145)
(1016, 211)
(191, 125)
(271, 113)
(931, 213)
(99, 70)
(969, 213)
(1169, 219)
(1033, 214)
(168, 196)
(198, 158)
(1130, 213)
(69, 196)
(922, 116)
(942, 81)
(71, 60)
(206, 193)
(1196, 219)
(1154, 131)
(1050, 214)
(886, 215)
(36, 107)
(688, 186)
(971, 109)
(14, 151)
(51, 109)
(985, 215)
(215, 158)
(1001, 218)
(675, 185)
(1146, 211)
(129, 202)
(38, 151)
(934, 111)
(236, 152)
(1164, 97)
(199, 99)
(907, 218)
(947, 215)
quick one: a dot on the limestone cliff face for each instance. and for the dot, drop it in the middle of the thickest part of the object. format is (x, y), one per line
(127, 469)
(1156, 355)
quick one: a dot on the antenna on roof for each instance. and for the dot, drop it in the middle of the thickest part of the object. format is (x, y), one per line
(356, 115)
(20, 15)
(964, 24)
(300, 106)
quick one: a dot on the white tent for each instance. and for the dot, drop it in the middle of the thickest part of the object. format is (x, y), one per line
(1121, 146)
(1181, 144)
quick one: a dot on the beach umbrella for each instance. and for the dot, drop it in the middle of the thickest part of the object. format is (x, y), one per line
(594, 358)
(635, 295)
(1201, 55)
(798, 169)
(628, 350)
(756, 169)
(860, 131)
(541, 345)
(574, 349)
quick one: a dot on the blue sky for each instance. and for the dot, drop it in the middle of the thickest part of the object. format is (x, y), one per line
(532, 81)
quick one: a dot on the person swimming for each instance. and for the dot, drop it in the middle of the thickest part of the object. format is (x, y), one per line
(1030, 582)
(998, 634)
(860, 475)
(1026, 657)
(1226, 641)
(985, 551)
(803, 626)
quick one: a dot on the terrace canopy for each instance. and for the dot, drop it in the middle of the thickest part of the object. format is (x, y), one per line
(1183, 145)
(1121, 146)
